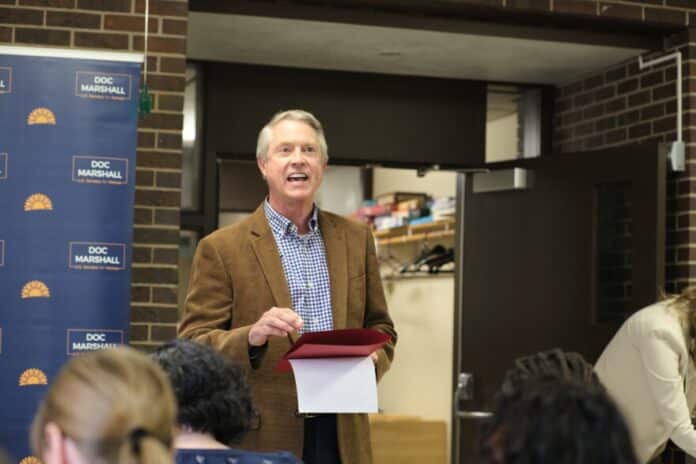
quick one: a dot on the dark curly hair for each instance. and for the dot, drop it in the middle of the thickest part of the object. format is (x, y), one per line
(211, 390)
(551, 408)
(552, 422)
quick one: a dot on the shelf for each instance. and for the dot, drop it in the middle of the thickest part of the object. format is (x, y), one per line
(443, 228)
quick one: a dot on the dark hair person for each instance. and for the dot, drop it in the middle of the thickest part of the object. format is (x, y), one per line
(106, 407)
(551, 409)
(215, 406)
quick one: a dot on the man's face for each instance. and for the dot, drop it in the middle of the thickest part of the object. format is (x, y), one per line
(294, 166)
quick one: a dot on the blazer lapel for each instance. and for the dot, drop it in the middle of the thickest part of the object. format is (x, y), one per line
(336, 255)
(266, 251)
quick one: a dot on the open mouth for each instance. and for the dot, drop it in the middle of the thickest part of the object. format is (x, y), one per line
(298, 177)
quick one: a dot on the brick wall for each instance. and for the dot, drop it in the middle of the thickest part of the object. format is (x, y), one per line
(118, 25)
(625, 105)
(680, 12)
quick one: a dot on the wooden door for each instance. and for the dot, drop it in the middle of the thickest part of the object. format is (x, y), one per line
(560, 263)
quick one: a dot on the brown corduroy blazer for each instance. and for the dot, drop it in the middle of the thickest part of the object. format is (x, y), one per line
(237, 275)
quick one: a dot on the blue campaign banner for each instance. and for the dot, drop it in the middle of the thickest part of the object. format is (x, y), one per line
(68, 136)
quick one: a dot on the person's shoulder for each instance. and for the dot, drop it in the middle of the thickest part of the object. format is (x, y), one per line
(660, 319)
(257, 457)
(344, 222)
(232, 232)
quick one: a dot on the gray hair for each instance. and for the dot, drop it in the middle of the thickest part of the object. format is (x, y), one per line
(292, 115)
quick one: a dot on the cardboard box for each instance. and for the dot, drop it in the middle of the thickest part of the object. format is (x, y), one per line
(407, 440)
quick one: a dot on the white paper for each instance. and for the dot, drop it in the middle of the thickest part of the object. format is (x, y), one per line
(335, 385)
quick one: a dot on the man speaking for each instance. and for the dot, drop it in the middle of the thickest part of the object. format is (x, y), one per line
(289, 268)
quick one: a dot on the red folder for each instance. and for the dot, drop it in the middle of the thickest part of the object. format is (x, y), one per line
(334, 344)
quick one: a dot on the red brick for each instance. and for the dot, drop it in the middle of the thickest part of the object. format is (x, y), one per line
(166, 83)
(593, 111)
(5, 34)
(571, 118)
(168, 141)
(174, 26)
(641, 130)
(652, 111)
(156, 313)
(564, 134)
(105, 5)
(48, 3)
(162, 121)
(138, 332)
(651, 79)
(101, 40)
(593, 82)
(148, 275)
(168, 179)
(665, 91)
(159, 159)
(14, 15)
(627, 86)
(615, 74)
(157, 198)
(605, 93)
(541, 5)
(172, 65)
(73, 20)
(130, 23)
(661, 15)
(582, 7)
(617, 104)
(168, 296)
(583, 99)
(167, 217)
(166, 256)
(171, 8)
(42, 36)
(584, 129)
(142, 254)
(163, 332)
(140, 294)
(144, 178)
(171, 102)
(605, 124)
(680, 3)
(620, 11)
(142, 216)
(616, 136)
(161, 44)
(155, 235)
(664, 125)
(639, 98)
(628, 118)
(146, 139)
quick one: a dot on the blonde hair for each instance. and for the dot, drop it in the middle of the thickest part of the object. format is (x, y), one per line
(685, 304)
(306, 117)
(116, 405)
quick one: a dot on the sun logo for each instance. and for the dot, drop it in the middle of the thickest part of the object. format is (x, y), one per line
(38, 202)
(35, 289)
(30, 460)
(32, 377)
(41, 116)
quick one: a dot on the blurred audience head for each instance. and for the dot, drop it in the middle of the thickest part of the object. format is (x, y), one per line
(106, 407)
(551, 409)
(211, 390)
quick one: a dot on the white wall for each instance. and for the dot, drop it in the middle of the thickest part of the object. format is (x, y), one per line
(420, 379)
(501, 138)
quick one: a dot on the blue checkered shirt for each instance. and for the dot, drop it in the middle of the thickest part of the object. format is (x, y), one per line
(305, 267)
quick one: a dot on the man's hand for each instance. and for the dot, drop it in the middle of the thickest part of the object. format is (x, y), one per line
(274, 322)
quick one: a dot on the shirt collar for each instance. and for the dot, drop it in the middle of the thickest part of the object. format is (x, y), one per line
(280, 225)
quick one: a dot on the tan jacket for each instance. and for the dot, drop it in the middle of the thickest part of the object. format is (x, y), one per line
(237, 275)
(647, 370)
